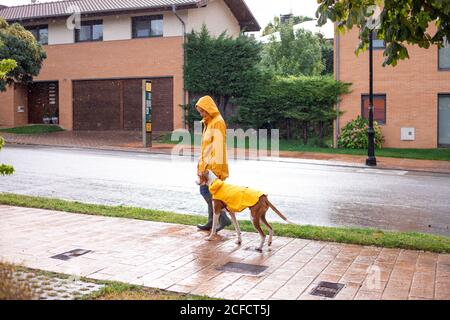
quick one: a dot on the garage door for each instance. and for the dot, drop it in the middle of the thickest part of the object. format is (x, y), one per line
(117, 104)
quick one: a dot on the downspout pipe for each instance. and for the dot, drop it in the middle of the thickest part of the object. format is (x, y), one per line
(338, 78)
(183, 24)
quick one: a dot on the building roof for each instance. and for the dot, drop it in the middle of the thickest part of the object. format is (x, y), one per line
(64, 8)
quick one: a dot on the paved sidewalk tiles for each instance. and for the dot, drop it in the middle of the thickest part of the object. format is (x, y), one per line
(177, 258)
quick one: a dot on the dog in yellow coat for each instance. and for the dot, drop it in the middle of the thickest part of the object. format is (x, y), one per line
(236, 199)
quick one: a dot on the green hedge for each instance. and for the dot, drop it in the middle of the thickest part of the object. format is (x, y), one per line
(296, 105)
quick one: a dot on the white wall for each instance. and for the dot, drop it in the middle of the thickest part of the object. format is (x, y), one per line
(58, 33)
(173, 26)
(116, 28)
(217, 17)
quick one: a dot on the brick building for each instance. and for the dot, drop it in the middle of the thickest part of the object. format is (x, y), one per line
(92, 77)
(412, 100)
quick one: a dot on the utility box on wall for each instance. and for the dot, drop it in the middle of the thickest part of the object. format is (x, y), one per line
(408, 134)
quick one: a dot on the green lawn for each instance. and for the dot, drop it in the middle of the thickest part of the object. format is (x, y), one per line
(362, 236)
(297, 145)
(424, 154)
(33, 129)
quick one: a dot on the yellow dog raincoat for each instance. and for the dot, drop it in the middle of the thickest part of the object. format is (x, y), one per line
(236, 198)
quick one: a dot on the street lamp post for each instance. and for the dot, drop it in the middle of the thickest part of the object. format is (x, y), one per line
(371, 160)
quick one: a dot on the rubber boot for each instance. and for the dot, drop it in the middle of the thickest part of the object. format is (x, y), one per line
(224, 221)
(204, 191)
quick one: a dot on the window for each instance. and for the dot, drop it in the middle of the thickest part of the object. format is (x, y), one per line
(90, 31)
(379, 107)
(148, 26)
(377, 42)
(444, 120)
(40, 33)
(444, 57)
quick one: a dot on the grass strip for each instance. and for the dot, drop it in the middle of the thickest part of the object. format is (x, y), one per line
(33, 129)
(360, 236)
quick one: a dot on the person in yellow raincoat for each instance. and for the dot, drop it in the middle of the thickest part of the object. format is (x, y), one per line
(213, 154)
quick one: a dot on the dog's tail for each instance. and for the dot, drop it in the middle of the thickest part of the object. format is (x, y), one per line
(279, 213)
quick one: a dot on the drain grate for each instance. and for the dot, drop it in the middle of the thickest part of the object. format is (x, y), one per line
(71, 254)
(237, 267)
(327, 289)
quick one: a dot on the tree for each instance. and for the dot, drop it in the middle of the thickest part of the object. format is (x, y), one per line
(5, 67)
(327, 48)
(275, 25)
(19, 45)
(415, 22)
(297, 53)
(224, 67)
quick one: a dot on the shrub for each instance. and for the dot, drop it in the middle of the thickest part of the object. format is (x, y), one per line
(5, 169)
(354, 134)
(10, 288)
(295, 105)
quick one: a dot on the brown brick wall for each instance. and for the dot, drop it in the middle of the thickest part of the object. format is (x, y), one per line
(21, 99)
(150, 57)
(411, 88)
(7, 107)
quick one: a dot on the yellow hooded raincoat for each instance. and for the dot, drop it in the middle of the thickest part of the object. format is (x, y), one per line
(214, 144)
(236, 198)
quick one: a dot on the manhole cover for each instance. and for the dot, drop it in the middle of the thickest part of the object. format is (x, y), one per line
(327, 289)
(237, 267)
(71, 254)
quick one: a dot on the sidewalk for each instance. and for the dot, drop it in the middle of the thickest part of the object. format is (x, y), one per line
(131, 141)
(177, 258)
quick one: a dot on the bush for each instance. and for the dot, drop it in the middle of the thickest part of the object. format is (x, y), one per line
(297, 106)
(10, 288)
(5, 169)
(354, 135)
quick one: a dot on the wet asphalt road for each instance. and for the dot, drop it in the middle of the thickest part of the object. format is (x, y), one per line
(313, 194)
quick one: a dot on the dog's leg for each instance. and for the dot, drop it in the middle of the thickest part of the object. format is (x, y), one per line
(236, 226)
(257, 225)
(216, 215)
(263, 219)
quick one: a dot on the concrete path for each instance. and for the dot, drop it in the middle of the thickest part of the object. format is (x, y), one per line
(177, 258)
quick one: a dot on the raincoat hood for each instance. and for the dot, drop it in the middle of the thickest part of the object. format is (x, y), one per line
(236, 198)
(208, 104)
(214, 140)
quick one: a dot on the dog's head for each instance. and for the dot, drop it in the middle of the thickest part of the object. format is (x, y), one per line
(206, 178)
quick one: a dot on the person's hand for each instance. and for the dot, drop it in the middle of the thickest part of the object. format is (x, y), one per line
(198, 178)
